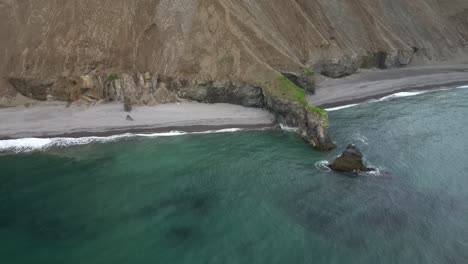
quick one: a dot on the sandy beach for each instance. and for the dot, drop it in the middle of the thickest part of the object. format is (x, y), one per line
(372, 84)
(56, 119)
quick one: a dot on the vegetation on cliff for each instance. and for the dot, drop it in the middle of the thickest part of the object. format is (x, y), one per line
(284, 88)
(288, 102)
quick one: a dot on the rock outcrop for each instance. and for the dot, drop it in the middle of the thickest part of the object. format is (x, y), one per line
(350, 161)
(139, 88)
(305, 81)
(127, 105)
(312, 124)
(221, 92)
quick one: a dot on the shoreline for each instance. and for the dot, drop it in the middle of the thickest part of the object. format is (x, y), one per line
(375, 84)
(361, 100)
(57, 120)
(53, 119)
(200, 129)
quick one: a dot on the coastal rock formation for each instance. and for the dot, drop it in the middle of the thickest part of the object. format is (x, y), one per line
(127, 105)
(312, 123)
(350, 161)
(305, 81)
(221, 92)
(230, 51)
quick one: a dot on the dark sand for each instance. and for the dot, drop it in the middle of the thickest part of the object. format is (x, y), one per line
(373, 84)
(55, 119)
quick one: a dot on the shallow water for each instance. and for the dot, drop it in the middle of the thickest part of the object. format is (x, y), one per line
(250, 197)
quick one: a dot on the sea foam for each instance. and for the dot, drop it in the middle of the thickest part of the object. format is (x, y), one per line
(340, 107)
(394, 96)
(401, 94)
(288, 128)
(25, 145)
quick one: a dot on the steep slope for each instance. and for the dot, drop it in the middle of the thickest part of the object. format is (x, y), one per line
(156, 50)
(221, 39)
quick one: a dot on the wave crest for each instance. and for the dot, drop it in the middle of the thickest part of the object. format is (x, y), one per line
(25, 145)
(322, 165)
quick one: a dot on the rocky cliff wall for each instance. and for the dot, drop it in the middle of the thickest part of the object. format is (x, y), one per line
(225, 39)
(71, 50)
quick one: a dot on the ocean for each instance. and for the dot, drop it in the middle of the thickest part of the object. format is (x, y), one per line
(247, 196)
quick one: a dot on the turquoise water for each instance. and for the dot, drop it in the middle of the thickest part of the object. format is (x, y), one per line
(250, 197)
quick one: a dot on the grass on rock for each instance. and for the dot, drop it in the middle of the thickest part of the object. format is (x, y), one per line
(308, 72)
(284, 88)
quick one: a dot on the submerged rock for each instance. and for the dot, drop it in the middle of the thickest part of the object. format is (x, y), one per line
(350, 161)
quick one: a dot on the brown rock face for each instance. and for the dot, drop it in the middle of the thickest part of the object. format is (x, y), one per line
(110, 49)
(350, 161)
(225, 39)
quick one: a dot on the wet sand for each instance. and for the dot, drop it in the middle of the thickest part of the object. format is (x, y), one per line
(56, 119)
(373, 84)
(53, 119)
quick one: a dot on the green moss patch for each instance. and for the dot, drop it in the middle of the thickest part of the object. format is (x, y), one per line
(284, 88)
(112, 77)
(291, 91)
(308, 72)
(317, 110)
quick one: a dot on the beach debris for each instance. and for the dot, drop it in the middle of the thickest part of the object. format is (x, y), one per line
(350, 161)
(129, 118)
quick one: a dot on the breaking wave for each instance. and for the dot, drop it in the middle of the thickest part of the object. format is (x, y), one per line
(322, 165)
(340, 107)
(25, 145)
(401, 94)
(288, 128)
(394, 96)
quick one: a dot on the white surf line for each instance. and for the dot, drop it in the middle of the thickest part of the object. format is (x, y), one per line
(402, 94)
(339, 107)
(289, 129)
(463, 87)
(24, 145)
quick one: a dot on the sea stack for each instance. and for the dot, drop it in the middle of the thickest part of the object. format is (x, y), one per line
(350, 161)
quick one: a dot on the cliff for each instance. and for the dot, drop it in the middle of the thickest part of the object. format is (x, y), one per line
(216, 50)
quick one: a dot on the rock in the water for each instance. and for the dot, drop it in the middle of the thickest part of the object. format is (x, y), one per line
(350, 161)
(129, 118)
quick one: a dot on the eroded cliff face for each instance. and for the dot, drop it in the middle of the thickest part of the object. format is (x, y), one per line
(224, 39)
(110, 49)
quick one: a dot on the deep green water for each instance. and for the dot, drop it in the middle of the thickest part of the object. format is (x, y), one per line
(250, 197)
